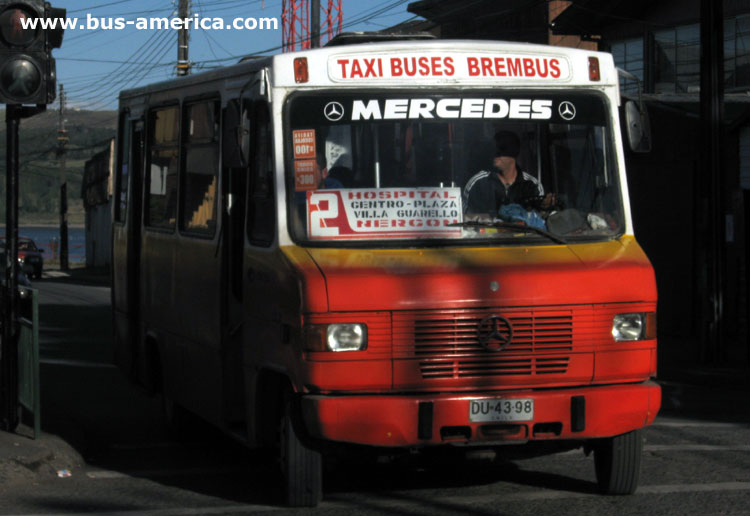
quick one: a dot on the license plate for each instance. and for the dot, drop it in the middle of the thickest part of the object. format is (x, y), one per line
(505, 409)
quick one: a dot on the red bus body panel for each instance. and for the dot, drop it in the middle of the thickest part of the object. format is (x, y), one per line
(392, 421)
(407, 279)
(422, 308)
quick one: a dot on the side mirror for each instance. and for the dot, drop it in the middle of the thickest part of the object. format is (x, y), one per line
(40, 249)
(638, 127)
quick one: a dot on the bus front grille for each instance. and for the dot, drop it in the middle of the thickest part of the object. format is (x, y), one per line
(493, 367)
(446, 343)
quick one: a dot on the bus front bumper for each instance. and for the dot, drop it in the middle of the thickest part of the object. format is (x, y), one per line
(431, 419)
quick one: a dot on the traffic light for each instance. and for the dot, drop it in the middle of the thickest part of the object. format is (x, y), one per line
(27, 68)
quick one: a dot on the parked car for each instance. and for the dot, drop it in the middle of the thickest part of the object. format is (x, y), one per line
(30, 257)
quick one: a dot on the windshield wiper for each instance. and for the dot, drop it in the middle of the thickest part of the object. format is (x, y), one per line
(509, 225)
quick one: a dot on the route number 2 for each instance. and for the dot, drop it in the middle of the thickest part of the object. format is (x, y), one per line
(323, 206)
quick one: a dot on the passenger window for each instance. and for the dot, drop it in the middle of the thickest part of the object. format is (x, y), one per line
(122, 172)
(201, 177)
(161, 173)
(261, 212)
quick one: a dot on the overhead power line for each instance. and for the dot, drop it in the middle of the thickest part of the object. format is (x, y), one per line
(98, 6)
(87, 60)
(124, 73)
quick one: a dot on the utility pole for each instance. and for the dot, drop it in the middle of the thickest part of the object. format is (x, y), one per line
(712, 265)
(62, 140)
(183, 63)
(314, 23)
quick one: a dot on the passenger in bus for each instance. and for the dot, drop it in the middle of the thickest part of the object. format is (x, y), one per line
(339, 177)
(504, 183)
(338, 158)
(336, 176)
(337, 149)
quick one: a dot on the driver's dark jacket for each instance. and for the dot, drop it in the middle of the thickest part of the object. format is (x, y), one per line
(485, 193)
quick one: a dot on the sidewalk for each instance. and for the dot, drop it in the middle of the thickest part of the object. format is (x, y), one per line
(23, 459)
(78, 275)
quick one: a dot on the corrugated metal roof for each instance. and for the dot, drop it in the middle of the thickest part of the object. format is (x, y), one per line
(442, 11)
(588, 17)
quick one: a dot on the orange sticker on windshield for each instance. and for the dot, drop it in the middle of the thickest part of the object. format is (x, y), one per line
(305, 175)
(304, 143)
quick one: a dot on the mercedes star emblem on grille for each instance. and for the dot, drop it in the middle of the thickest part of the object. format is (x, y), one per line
(494, 333)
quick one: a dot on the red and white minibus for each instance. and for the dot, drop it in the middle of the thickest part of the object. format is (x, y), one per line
(318, 251)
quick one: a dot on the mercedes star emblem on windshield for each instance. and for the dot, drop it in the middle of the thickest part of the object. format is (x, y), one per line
(567, 110)
(334, 111)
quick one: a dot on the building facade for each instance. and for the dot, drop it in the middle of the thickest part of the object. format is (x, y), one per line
(96, 192)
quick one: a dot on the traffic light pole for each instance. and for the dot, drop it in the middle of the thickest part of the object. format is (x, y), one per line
(9, 406)
(9, 357)
(27, 85)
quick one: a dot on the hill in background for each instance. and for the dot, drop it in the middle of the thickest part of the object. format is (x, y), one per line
(39, 168)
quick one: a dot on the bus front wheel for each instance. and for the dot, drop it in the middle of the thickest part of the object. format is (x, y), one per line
(617, 461)
(301, 465)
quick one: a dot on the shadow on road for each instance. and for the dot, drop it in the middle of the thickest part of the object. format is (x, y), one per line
(116, 427)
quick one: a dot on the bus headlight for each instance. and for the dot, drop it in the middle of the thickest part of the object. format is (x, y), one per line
(346, 337)
(336, 337)
(634, 326)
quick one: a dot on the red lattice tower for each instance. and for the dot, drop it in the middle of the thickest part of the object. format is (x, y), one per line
(331, 19)
(295, 22)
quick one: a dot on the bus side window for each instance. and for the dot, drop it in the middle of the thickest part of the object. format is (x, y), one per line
(200, 182)
(261, 209)
(163, 164)
(121, 174)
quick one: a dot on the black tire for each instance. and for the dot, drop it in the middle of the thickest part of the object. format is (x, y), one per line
(178, 420)
(301, 465)
(180, 423)
(617, 461)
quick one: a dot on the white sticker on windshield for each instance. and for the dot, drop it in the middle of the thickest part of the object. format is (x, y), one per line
(384, 213)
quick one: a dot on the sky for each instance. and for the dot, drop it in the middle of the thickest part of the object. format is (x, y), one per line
(94, 65)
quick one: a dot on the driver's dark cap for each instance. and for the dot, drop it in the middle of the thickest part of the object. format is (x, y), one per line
(507, 144)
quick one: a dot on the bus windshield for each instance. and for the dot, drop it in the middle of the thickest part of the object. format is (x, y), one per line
(501, 167)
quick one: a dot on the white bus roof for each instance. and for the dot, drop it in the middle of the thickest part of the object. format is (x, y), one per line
(445, 62)
(416, 64)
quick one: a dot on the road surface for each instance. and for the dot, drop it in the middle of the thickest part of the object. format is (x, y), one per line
(696, 460)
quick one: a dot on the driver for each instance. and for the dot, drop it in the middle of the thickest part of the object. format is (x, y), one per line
(506, 183)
